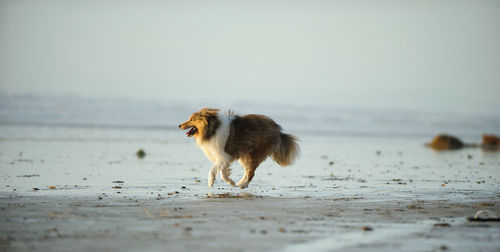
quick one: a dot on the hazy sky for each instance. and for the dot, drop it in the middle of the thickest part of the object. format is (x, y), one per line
(426, 55)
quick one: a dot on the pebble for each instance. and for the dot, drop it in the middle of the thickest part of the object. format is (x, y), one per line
(367, 228)
(442, 225)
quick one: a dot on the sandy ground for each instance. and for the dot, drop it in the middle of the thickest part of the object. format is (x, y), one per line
(249, 223)
(355, 195)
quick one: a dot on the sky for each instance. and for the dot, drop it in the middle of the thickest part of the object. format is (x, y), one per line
(419, 55)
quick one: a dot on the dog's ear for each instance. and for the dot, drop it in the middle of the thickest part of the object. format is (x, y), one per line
(212, 125)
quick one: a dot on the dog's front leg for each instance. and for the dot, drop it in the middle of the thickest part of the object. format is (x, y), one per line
(211, 175)
(223, 168)
(225, 172)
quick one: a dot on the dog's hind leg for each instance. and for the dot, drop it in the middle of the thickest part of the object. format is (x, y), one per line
(244, 178)
(250, 164)
(249, 173)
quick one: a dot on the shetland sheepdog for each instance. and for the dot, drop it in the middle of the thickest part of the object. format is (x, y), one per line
(250, 139)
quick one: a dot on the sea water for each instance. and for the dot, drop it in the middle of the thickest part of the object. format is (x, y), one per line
(83, 145)
(73, 117)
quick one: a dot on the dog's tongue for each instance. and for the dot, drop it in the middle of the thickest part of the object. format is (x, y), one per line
(191, 131)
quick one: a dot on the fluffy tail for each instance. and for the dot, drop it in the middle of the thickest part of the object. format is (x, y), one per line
(287, 151)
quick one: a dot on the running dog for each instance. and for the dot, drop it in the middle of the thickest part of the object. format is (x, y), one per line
(249, 139)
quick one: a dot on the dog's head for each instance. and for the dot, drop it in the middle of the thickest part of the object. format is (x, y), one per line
(202, 123)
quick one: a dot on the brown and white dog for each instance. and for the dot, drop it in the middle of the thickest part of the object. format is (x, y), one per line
(249, 139)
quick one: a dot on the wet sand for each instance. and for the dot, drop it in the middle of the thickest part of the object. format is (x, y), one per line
(344, 194)
(249, 223)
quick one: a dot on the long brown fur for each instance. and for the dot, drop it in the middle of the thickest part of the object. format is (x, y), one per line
(251, 139)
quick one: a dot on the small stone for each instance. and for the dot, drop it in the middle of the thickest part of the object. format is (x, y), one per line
(446, 142)
(441, 225)
(141, 153)
(367, 228)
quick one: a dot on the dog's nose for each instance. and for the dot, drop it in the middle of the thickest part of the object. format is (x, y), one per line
(179, 125)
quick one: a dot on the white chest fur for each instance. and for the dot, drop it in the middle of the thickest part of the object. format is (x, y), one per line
(214, 147)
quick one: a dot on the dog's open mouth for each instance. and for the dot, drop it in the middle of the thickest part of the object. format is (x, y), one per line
(191, 131)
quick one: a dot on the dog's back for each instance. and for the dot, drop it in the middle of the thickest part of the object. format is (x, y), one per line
(258, 136)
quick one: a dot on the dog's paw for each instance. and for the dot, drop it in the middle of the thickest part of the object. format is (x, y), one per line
(231, 182)
(243, 185)
(241, 181)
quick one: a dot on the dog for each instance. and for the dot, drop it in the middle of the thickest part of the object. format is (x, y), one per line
(250, 139)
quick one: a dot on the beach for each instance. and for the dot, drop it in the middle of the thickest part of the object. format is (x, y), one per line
(392, 102)
(396, 195)
(74, 181)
